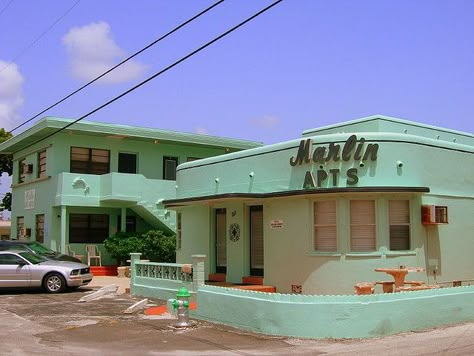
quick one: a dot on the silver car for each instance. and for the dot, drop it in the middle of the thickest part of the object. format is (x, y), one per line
(25, 269)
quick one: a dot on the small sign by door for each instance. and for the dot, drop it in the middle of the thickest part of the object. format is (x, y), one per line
(276, 224)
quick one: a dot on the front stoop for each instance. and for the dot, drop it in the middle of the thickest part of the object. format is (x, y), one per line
(255, 280)
(217, 277)
(104, 270)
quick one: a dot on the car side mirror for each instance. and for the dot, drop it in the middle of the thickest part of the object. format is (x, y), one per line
(21, 263)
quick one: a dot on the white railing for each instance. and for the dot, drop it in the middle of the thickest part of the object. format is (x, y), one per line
(169, 271)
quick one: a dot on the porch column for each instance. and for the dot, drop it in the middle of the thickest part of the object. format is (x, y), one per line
(62, 242)
(198, 271)
(123, 220)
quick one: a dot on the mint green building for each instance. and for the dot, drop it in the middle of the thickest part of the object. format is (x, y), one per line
(91, 180)
(318, 214)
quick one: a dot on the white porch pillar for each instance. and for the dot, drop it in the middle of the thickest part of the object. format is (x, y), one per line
(62, 243)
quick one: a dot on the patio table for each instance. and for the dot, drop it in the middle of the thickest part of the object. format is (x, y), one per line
(399, 274)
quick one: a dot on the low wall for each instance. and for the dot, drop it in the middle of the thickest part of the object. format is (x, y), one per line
(163, 280)
(338, 316)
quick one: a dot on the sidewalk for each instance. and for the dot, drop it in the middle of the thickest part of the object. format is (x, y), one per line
(101, 281)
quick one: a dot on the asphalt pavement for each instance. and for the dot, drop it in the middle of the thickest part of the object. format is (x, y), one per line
(36, 323)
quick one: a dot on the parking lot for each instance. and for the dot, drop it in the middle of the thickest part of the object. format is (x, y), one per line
(33, 322)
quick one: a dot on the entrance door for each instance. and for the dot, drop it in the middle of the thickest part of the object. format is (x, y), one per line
(256, 240)
(221, 239)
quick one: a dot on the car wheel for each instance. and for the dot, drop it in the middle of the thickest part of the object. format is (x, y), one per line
(54, 283)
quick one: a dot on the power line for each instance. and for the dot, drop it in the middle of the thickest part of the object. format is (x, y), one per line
(39, 37)
(122, 62)
(6, 7)
(182, 59)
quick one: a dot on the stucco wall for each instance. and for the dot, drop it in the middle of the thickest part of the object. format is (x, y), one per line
(335, 316)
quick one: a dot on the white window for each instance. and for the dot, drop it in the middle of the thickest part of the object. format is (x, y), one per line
(362, 225)
(399, 221)
(325, 226)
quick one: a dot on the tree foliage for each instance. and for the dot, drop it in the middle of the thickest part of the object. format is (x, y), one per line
(154, 245)
(6, 203)
(6, 161)
(6, 166)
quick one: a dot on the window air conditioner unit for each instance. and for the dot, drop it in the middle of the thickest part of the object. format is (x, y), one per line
(434, 215)
(27, 168)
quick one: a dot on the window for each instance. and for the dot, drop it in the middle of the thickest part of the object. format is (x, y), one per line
(7, 259)
(169, 168)
(178, 232)
(362, 225)
(130, 223)
(88, 228)
(399, 221)
(20, 227)
(41, 164)
(90, 160)
(21, 171)
(325, 226)
(127, 163)
(40, 228)
(441, 214)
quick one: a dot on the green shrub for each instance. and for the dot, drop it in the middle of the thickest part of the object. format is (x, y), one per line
(121, 245)
(153, 245)
(158, 247)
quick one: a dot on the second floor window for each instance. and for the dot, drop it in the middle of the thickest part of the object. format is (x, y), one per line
(127, 163)
(42, 164)
(21, 170)
(169, 168)
(90, 160)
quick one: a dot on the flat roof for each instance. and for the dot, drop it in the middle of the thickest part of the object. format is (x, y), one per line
(49, 125)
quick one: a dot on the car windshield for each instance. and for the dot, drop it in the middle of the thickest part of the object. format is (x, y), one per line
(31, 257)
(40, 249)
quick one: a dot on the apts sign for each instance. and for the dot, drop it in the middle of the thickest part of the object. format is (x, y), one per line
(355, 150)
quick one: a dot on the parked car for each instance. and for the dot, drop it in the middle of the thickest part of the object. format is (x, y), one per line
(36, 248)
(26, 269)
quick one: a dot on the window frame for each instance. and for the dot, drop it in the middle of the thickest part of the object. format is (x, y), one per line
(90, 164)
(331, 225)
(169, 158)
(353, 225)
(77, 233)
(392, 223)
(20, 226)
(119, 160)
(41, 171)
(179, 217)
(39, 228)
(21, 174)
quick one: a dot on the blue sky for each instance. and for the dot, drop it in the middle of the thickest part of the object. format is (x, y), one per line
(303, 64)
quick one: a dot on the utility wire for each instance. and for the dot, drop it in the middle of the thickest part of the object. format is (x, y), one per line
(6, 6)
(39, 37)
(122, 62)
(182, 59)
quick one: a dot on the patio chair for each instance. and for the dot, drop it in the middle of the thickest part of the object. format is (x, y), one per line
(93, 253)
(72, 253)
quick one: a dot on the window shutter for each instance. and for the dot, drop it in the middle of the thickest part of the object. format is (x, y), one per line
(325, 231)
(399, 221)
(362, 225)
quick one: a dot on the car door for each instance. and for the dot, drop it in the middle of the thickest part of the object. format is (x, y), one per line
(14, 271)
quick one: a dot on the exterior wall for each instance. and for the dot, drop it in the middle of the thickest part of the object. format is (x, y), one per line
(61, 193)
(403, 161)
(335, 316)
(196, 227)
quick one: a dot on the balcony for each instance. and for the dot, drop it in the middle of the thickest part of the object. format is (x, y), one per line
(112, 189)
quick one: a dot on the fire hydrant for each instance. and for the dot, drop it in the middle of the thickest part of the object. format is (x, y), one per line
(181, 303)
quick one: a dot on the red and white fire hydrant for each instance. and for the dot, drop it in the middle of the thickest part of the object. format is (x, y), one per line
(181, 303)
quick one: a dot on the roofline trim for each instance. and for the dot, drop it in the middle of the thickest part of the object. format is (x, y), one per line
(291, 193)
